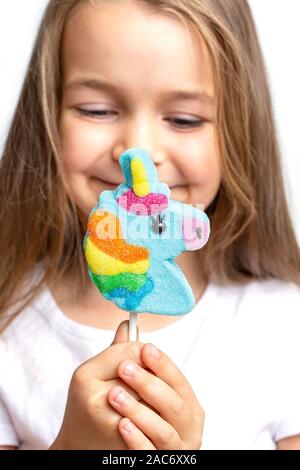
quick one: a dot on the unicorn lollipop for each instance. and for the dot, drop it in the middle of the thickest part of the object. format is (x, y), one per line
(133, 235)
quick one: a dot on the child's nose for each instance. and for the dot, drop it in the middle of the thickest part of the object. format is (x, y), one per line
(117, 152)
(158, 156)
(142, 131)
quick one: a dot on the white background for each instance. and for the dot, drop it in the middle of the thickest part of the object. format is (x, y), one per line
(278, 24)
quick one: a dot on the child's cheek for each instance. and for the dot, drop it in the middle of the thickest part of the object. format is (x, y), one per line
(80, 142)
(202, 168)
(199, 159)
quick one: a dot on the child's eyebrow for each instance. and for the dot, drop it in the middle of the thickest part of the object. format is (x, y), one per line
(187, 95)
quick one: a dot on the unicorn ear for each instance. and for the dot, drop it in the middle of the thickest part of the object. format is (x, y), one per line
(139, 171)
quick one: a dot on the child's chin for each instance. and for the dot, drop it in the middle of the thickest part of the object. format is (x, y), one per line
(180, 193)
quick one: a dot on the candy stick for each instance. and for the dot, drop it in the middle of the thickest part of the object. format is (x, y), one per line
(132, 335)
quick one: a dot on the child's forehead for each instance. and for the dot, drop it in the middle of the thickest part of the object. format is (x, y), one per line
(130, 45)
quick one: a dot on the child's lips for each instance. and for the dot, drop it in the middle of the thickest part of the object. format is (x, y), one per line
(179, 192)
(101, 185)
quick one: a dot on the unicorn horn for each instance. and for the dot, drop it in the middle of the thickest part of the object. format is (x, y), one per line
(140, 183)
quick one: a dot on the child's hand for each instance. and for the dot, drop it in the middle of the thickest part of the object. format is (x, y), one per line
(89, 421)
(176, 418)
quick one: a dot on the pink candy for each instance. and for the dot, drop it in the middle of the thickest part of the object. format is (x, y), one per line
(151, 204)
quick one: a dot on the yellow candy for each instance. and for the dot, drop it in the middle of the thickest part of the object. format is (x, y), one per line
(140, 183)
(101, 263)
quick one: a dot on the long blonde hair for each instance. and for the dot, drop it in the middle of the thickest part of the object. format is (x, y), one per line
(252, 234)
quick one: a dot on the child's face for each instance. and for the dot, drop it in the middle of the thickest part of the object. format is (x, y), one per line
(144, 58)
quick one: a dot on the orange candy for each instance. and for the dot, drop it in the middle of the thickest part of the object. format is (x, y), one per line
(105, 232)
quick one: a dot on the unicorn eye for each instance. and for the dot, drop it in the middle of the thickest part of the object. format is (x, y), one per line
(158, 224)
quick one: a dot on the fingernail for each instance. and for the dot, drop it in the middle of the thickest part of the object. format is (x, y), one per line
(153, 352)
(118, 395)
(128, 427)
(130, 369)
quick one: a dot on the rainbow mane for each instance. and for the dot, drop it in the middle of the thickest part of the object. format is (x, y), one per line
(117, 268)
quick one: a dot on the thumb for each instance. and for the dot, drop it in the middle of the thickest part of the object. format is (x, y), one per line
(121, 335)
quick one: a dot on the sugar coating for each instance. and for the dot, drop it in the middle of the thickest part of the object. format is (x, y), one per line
(148, 205)
(133, 235)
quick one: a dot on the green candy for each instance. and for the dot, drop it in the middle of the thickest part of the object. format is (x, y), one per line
(130, 281)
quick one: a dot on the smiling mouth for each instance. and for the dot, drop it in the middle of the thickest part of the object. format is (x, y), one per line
(177, 192)
(99, 183)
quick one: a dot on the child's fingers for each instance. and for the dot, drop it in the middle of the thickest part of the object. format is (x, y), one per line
(104, 366)
(161, 433)
(162, 366)
(133, 436)
(168, 403)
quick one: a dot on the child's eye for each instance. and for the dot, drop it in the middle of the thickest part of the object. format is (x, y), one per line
(96, 113)
(186, 123)
(178, 122)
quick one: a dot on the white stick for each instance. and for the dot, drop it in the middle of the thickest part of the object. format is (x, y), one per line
(132, 336)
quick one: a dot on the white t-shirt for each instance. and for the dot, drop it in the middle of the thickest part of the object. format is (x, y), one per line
(239, 348)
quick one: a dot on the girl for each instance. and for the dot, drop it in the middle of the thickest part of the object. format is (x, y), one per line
(185, 80)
